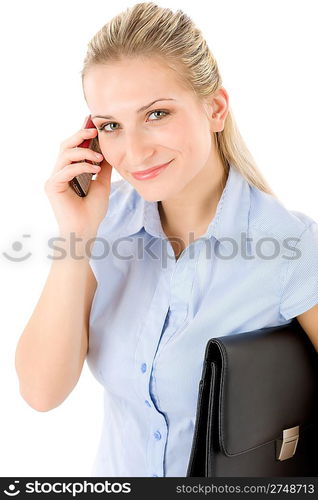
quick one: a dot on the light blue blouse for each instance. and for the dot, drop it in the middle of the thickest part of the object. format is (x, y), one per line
(152, 316)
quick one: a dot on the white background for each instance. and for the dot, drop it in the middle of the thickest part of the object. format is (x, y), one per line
(267, 56)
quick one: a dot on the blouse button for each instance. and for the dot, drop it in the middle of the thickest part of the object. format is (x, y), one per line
(143, 367)
(157, 435)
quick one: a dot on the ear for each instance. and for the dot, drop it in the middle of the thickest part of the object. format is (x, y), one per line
(216, 109)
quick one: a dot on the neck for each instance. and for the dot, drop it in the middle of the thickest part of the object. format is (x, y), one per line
(192, 209)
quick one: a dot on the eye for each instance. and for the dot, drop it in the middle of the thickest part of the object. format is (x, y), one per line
(102, 128)
(158, 111)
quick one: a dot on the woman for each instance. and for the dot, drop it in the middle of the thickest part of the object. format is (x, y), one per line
(199, 248)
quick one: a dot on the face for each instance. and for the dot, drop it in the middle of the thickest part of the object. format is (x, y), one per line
(174, 129)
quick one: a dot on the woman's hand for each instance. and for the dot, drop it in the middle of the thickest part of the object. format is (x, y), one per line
(81, 215)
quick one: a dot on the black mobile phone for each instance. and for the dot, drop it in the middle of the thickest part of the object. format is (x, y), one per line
(81, 182)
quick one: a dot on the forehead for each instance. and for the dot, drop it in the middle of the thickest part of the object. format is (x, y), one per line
(135, 81)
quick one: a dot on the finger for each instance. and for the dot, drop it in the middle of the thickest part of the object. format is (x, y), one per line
(77, 154)
(103, 176)
(68, 155)
(70, 171)
(76, 139)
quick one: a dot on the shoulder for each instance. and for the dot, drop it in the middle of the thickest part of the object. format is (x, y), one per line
(270, 217)
(295, 237)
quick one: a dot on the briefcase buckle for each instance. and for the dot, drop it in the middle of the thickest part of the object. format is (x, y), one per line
(286, 447)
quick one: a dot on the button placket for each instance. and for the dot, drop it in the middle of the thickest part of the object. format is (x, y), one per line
(181, 291)
(149, 337)
(157, 446)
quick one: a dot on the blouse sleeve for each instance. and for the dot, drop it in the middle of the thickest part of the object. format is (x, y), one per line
(300, 279)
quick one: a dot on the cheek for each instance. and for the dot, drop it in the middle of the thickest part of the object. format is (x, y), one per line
(203, 143)
(177, 137)
(195, 141)
(110, 153)
(172, 136)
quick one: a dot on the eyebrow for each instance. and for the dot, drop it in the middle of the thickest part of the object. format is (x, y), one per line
(139, 110)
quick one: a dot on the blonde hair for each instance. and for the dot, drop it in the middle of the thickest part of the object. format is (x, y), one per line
(146, 30)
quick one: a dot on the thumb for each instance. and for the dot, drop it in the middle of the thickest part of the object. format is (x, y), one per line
(103, 177)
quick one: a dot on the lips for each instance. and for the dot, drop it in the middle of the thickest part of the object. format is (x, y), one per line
(141, 172)
(151, 172)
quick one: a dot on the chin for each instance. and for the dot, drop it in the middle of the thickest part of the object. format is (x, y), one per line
(155, 190)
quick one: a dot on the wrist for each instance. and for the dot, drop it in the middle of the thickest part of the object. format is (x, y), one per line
(77, 246)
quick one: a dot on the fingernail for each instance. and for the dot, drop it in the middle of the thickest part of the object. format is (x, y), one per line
(99, 156)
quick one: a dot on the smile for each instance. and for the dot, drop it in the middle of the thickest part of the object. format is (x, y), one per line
(150, 175)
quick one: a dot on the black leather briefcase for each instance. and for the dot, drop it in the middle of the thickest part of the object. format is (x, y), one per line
(257, 406)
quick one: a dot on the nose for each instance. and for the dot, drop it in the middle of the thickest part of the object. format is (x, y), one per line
(137, 149)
